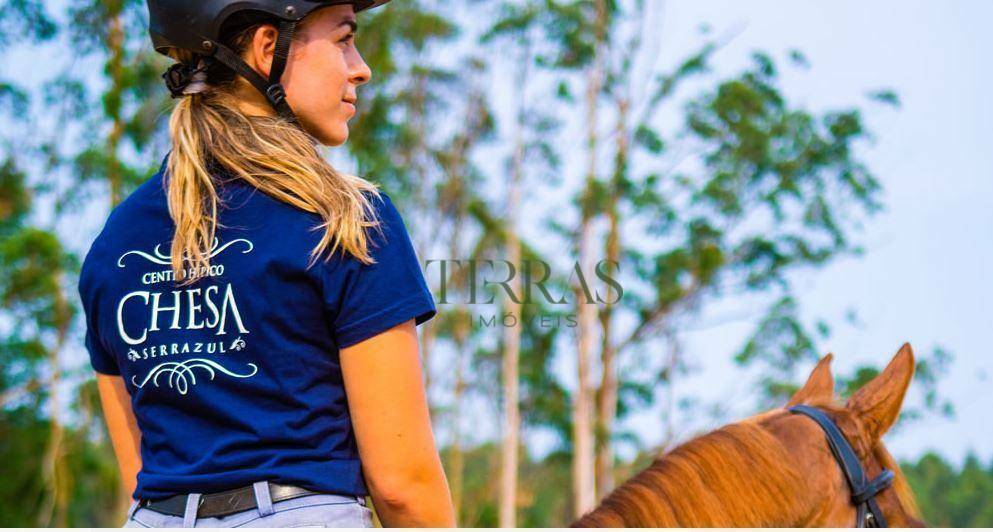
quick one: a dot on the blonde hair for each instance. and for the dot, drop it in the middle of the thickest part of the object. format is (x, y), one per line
(272, 154)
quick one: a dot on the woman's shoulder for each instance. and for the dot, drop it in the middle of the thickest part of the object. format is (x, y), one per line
(385, 212)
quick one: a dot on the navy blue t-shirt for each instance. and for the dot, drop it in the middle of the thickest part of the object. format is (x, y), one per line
(236, 378)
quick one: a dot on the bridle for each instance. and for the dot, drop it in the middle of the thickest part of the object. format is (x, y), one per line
(863, 492)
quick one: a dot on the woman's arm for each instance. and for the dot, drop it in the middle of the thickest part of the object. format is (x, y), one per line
(123, 428)
(389, 410)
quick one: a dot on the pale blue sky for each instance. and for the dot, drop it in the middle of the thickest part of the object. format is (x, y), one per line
(925, 277)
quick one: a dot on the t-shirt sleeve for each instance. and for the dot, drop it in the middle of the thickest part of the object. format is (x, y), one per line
(367, 299)
(101, 360)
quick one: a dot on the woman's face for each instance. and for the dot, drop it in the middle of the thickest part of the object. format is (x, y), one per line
(323, 71)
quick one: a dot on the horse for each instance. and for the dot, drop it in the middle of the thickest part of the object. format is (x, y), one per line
(777, 468)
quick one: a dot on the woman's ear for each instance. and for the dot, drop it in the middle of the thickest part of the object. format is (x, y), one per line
(877, 404)
(819, 388)
(262, 48)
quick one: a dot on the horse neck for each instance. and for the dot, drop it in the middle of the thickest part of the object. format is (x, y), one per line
(739, 475)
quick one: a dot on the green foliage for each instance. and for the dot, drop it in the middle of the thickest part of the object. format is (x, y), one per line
(32, 262)
(782, 344)
(26, 18)
(649, 139)
(15, 198)
(388, 130)
(781, 190)
(950, 496)
(793, 179)
(887, 97)
(771, 189)
(95, 488)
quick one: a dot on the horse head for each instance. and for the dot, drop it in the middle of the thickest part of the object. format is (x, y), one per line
(778, 468)
(862, 420)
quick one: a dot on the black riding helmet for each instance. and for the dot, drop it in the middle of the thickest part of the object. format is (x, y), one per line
(198, 26)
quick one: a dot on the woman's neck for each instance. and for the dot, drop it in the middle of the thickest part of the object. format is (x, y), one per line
(255, 107)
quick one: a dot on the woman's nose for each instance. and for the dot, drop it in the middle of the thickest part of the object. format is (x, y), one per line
(361, 73)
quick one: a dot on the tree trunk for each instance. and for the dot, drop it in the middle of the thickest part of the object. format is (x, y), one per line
(115, 173)
(55, 474)
(413, 160)
(461, 334)
(584, 496)
(455, 199)
(607, 393)
(115, 67)
(512, 335)
(583, 459)
(511, 420)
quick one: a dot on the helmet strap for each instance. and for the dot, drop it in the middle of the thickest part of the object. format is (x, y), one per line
(272, 89)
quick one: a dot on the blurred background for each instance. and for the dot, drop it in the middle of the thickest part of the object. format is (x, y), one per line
(764, 182)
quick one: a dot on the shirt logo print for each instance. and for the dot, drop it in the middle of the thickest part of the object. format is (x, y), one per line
(181, 373)
(213, 308)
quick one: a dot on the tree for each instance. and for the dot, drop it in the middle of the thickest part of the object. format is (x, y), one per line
(517, 22)
(689, 187)
(950, 496)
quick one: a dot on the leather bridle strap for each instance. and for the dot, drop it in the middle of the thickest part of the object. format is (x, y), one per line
(863, 492)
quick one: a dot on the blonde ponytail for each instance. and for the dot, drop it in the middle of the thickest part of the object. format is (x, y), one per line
(269, 153)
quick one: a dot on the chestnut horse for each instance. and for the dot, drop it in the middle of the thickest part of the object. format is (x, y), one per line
(774, 469)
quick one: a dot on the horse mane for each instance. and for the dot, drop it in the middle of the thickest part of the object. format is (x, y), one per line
(900, 485)
(737, 474)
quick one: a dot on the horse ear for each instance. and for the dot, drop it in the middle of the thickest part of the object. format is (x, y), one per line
(819, 387)
(878, 402)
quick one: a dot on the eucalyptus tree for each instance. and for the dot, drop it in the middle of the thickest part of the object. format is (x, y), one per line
(580, 31)
(36, 271)
(456, 193)
(743, 189)
(36, 318)
(748, 189)
(112, 137)
(514, 31)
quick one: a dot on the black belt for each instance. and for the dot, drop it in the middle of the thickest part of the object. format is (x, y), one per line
(225, 502)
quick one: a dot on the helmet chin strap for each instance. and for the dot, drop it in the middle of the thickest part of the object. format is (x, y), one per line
(271, 88)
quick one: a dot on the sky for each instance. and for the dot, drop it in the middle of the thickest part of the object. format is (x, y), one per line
(926, 274)
(924, 278)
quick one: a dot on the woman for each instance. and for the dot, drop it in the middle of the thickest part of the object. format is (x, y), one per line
(262, 369)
